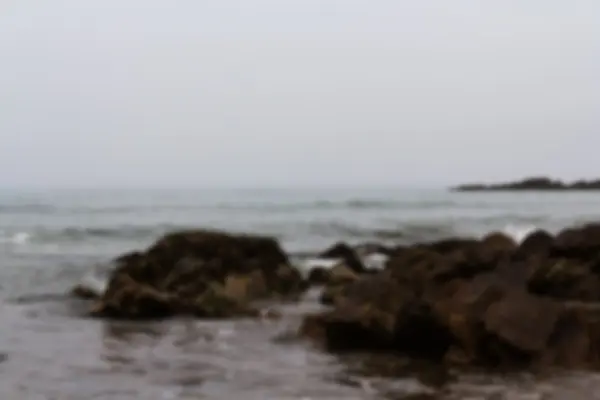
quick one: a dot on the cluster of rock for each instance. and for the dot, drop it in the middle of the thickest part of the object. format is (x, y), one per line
(532, 183)
(489, 302)
(202, 273)
(486, 302)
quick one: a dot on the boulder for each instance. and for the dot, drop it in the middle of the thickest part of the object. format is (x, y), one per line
(330, 294)
(582, 242)
(342, 274)
(318, 276)
(339, 277)
(363, 317)
(451, 245)
(346, 254)
(566, 279)
(537, 242)
(444, 261)
(202, 273)
(498, 243)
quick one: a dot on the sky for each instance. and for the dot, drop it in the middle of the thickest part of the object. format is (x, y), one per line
(112, 93)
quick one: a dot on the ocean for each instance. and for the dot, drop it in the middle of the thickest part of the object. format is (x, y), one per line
(52, 240)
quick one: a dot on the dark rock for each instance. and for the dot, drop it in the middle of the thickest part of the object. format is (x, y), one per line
(483, 323)
(339, 277)
(375, 313)
(346, 254)
(318, 276)
(574, 341)
(498, 243)
(342, 274)
(286, 283)
(538, 242)
(566, 267)
(565, 279)
(130, 299)
(495, 324)
(128, 257)
(330, 294)
(216, 303)
(202, 273)
(582, 243)
(84, 292)
(447, 260)
(451, 245)
(522, 320)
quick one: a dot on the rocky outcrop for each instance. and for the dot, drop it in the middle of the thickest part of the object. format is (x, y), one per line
(532, 183)
(482, 302)
(202, 273)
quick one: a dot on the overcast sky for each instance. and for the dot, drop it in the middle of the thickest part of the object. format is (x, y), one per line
(297, 92)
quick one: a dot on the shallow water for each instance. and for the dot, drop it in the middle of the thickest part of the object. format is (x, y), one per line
(52, 240)
(50, 352)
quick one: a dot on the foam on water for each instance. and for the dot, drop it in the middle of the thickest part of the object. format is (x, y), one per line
(94, 284)
(18, 238)
(519, 232)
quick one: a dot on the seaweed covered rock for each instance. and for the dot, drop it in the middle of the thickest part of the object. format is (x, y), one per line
(438, 262)
(472, 322)
(482, 302)
(203, 273)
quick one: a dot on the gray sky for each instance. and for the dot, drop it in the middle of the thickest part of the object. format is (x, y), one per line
(297, 92)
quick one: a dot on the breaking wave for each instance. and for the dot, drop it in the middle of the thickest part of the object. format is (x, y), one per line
(519, 232)
(327, 230)
(79, 234)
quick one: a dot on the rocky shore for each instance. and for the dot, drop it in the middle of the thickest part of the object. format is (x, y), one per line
(459, 302)
(531, 183)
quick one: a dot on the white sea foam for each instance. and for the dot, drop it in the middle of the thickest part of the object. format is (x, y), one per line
(94, 283)
(519, 232)
(307, 265)
(18, 238)
(375, 260)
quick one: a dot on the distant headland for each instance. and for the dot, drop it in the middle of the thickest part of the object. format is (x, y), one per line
(530, 184)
